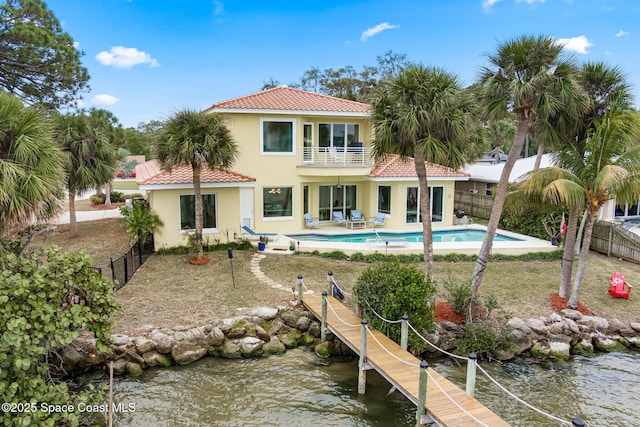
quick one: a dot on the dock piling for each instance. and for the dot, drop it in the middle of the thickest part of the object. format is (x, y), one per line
(422, 393)
(362, 373)
(323, 321)
(471, 374)
(404, 332)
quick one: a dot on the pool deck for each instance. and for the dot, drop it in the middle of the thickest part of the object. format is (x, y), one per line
(525, 245)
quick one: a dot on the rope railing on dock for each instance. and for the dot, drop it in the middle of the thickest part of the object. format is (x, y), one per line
(380, 317)
(340, 318)
(415, 365)
(441, 350)
(431, 378)
(528, 405)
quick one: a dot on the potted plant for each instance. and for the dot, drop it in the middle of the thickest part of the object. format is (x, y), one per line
(292, 245)
(262, 242)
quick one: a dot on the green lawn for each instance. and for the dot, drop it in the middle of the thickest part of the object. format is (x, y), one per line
(124, 184)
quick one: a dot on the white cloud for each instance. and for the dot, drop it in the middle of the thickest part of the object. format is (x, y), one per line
(530, 1)
(125, 57)
(375, 30)
(621, 33)
(488, 3)
(104, 99)
(576, 44)
(78, 103)
(76, 45)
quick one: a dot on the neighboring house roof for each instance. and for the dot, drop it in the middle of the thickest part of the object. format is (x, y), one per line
(281, 100)
(151, 173)
(395, 167)
(491, 172)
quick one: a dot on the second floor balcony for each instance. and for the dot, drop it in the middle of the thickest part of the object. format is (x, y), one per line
(356, 157)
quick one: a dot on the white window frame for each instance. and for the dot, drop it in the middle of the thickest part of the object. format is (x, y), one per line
(264, 120)
(279, 218)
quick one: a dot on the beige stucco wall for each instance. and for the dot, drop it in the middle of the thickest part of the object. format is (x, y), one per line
(166, 204)
(397, 219)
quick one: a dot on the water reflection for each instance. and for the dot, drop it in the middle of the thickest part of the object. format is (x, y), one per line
(297, 389)
(603, 390)
(300, 389)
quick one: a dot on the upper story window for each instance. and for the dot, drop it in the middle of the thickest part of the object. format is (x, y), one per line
(338, 135)
(277, 136)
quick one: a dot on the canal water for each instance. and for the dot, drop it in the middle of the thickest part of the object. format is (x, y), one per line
(300, 389)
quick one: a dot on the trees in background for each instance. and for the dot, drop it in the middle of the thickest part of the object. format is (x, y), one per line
(90, 160)
(38, 61)
(424, 113)
(31, 166)
(199, 140)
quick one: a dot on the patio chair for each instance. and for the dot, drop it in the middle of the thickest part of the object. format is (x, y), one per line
(310, 221)
(618, 286)
(338, 218)
(378, 220)
(356, 215)
(336, 156)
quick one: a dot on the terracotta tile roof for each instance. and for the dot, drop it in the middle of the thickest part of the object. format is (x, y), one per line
(288, 99)
(395, 167)
(150, 173)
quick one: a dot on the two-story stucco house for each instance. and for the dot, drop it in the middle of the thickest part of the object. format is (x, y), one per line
(300, 152)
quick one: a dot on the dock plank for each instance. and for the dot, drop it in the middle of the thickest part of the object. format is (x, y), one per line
(400, 368)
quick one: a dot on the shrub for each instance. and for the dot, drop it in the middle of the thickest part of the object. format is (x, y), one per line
(458, 295)
(116, 197)
(48, 299)
(482, 337)
(393, 289)
(531, 223)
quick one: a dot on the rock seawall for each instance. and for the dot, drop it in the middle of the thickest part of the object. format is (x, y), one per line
(267, 331)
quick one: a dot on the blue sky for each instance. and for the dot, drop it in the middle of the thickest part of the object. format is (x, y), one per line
(150, 58)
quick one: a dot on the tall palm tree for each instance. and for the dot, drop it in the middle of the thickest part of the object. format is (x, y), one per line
(423, 113)
(200, 140)
(90, 159)
(601, 168)
(31, 165)
(604, 88)
(529, 77)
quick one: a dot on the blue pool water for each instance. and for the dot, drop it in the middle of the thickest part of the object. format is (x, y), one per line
(416, 237)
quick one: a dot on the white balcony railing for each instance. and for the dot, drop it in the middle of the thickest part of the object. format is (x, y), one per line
(356, 157)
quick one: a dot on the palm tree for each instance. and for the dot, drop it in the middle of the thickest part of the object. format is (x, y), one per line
(605, 88)
(500, 131)
(90, 159)
(601, 168)
(529, 77)
(31, 166)
(423, 113)
(200, 140)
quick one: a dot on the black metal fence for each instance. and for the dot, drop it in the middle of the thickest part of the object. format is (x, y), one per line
(123, 268)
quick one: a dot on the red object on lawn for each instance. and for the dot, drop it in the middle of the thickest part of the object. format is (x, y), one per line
(618, 287)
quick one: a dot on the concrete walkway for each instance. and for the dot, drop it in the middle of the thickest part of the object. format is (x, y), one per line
(92, 215)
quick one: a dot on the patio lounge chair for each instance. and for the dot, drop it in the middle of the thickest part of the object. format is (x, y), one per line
(311, 222)
(252, 235)
(338, 218)
(356, 215)
(378, 220)
(336, 156)
(618, 286)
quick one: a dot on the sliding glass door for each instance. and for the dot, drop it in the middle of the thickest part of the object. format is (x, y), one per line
(341, 198)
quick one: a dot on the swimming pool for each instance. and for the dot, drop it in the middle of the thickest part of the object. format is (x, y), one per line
(466, 235)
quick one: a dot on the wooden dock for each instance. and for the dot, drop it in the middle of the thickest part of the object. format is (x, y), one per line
(402, 373)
